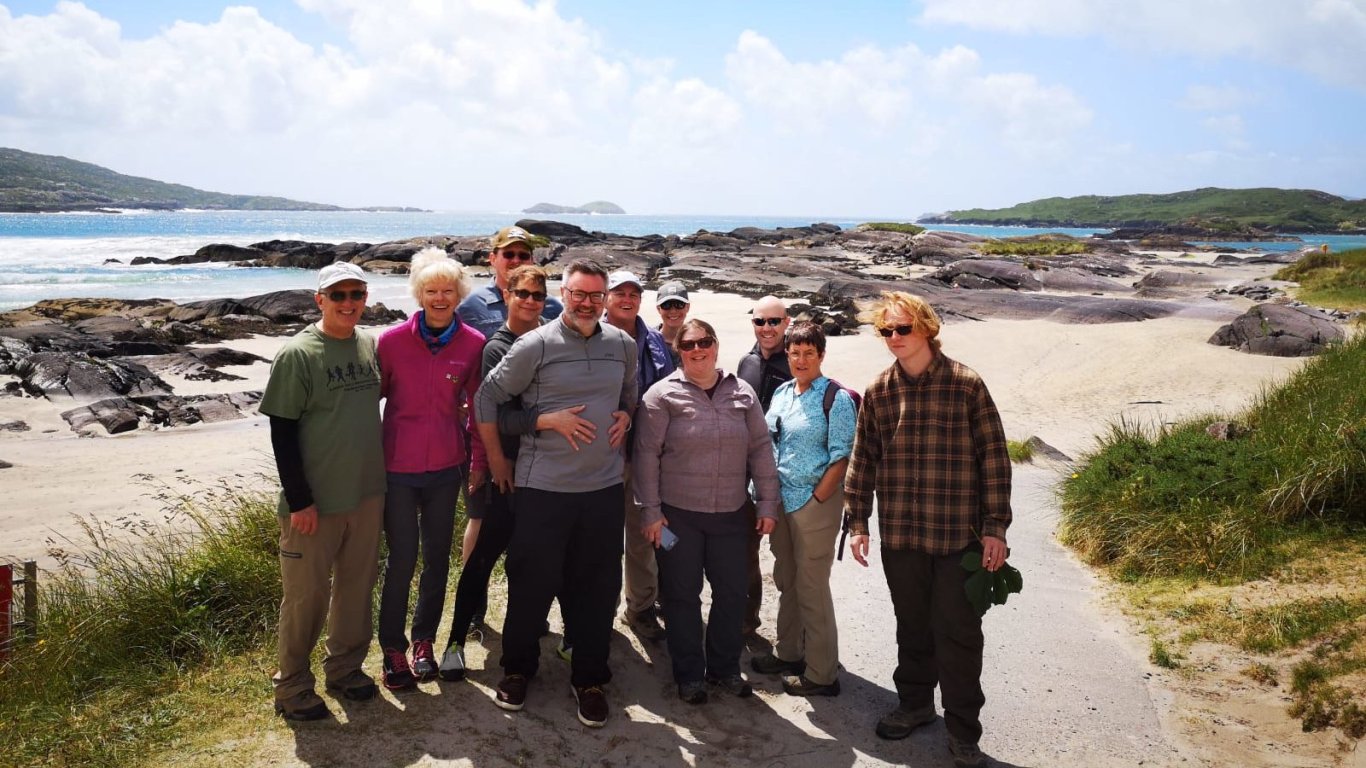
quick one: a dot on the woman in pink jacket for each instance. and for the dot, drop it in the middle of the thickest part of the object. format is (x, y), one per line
(430, 370)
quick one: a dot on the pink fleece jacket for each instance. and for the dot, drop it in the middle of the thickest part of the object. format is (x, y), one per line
(428, 399)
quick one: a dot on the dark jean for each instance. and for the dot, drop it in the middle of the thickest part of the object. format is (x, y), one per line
(567, 545)
(413, 515)
(714, 545)
(472, 591)
(938, 637)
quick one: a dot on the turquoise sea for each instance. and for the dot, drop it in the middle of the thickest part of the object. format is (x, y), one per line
(59, 255)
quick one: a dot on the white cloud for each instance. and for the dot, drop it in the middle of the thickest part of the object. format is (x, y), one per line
(687, 115)
(1321, 37)
(1212, 98)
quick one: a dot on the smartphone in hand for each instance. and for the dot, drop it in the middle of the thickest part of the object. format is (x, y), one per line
(667, 538)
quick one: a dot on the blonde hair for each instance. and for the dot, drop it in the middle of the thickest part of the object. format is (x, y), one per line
(431, 264)
(923, 316)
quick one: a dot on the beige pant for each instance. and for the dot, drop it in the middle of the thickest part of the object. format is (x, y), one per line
(642, 573)
(327, 575)
(803, 546)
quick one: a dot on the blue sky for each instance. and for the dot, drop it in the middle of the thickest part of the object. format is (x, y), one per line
(876, 109)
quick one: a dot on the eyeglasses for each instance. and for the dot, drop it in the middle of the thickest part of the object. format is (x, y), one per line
(688, 345)
(524, 294)
(672, 306)
(340, 296)
(900, 330)
(595, 297)
(760, 322)
(517, 255)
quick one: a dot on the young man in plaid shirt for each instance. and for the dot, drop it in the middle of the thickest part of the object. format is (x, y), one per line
(930, 447)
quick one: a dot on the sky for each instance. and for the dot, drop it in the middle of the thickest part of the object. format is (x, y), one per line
(795, 107)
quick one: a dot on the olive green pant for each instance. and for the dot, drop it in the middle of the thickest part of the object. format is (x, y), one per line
(327, 576)
(803, 545)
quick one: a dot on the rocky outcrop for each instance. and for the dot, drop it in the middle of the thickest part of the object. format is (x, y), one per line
(988, 273)
(124, 414)
(1279, 330)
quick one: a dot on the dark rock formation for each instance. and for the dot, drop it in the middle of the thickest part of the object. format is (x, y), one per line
(1279, 330)
(1042, 449)
(987, 273)
(14, 426)
(124, 414)
(84, 378)
(1166, 283)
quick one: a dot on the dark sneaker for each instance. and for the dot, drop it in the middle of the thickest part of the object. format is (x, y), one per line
(801, 686)
(735, 685)
(355, 686)
(645, 624)
(424, 660)
(899, 723)
(694, 692)
(770, 664)
(397, 674)
(305, 705)
(453, 664)
(592, 705)
(966, 754)
(511, 693)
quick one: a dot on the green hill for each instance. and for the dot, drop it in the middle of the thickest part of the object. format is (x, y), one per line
(1210, 208)
(32, 183)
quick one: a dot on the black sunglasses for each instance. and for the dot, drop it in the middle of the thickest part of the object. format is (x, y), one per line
(672, 305)
(339, 296)
(762, 321)
(524, 294)
(900, 330)
(688, 345)
(517, 255)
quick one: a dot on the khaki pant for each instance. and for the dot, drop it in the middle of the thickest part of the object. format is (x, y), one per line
(803, 546)
(327, 575)
(642, 572)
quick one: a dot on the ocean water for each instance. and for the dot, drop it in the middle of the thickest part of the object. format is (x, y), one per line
(62, 255)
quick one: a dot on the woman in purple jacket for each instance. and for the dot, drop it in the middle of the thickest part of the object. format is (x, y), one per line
(430, 370)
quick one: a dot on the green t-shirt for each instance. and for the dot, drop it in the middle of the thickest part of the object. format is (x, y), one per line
(331, 387)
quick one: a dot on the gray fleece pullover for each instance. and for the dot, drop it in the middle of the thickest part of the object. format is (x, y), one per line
(554, 367)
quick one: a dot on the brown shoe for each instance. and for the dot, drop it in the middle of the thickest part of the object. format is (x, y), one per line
(645, 624)
(302, 706)
(354, 686)
(511, 693)
(899, 723)
(592, 705)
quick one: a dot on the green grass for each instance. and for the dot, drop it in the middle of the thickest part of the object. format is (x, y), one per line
(1335, 280)
(1020, 451)
(892, 226)
(1162, 656)
(1174, 501)
(1033, 247)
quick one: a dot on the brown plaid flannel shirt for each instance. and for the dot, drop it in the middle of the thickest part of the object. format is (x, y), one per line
(932, 450)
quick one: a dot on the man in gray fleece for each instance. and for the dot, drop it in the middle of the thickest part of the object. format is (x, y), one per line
(568, 503)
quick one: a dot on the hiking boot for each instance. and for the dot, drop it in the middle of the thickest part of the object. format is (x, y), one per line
(565, 652)
(694, 692)
(899, 723)
(966, 754)
(355, 686)
(592, 705)
(735, 685)
(453, 664)
(801, 686)
(397, 674)
(770, 664)
(302, 706)
(424, 660)
(511, 693)
(645, 624)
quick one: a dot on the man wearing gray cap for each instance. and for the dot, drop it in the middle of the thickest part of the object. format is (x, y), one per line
(654, 362)
(323, 402)
(484, 309)
(671, 302)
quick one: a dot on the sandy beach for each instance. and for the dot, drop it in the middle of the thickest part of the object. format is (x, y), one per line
(1097, 703)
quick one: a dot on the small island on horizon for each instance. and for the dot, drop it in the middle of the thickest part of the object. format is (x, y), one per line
(597, 206)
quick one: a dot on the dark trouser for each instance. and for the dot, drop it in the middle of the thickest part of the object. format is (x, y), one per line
(713, 544)
(472, 592)
(754, 593)
(938, 638)
(565, 544)
(412, 515)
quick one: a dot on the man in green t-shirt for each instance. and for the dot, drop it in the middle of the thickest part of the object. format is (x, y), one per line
(323, 402)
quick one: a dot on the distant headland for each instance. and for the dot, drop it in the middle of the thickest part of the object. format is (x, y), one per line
(1209, 213)
(31, 183)
(597, 206)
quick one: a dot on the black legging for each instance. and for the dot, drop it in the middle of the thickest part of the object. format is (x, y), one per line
(472, 591)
